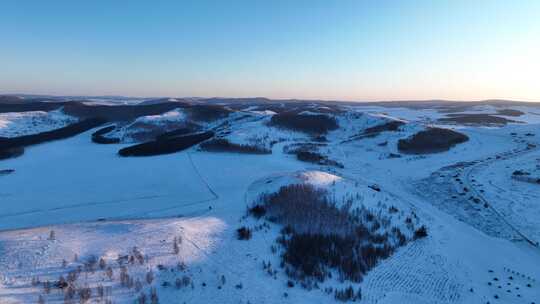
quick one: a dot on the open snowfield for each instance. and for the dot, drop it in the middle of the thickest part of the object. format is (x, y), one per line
(130, 213)
(74, 180)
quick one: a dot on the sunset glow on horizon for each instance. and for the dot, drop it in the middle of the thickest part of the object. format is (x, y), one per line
(346, 50)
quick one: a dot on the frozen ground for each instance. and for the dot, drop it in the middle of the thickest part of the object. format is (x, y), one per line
(100, 205)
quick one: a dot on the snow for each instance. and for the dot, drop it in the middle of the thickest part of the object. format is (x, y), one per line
(318, 178)
(171, 116)
(100, 204)
(14, 124)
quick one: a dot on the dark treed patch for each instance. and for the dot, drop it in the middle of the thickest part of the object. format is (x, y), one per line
(178, 132)
(475, 119)
(389, 126)
(29, 106)
(11, 152)
(10, 99)
(6, 171)
(317, 158)
(309, 152)
(420, 232)
(165, 146)
(117, 112)
(61, 133)
(257, 211)
(207, 113)
(142, 131)
(243, 233)
(432, 140)
(509, 112)
(520, 172)
(99, 138)
(310, 124)
(320, 236)
(224, 145)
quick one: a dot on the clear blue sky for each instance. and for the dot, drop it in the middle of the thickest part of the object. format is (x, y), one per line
(349, 50)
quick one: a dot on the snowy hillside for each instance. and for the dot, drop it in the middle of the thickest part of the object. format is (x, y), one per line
(17, 124)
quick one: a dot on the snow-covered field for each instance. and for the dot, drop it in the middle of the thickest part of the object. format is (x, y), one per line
(71, 204)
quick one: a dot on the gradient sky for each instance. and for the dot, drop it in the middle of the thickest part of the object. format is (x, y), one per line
(341, 50)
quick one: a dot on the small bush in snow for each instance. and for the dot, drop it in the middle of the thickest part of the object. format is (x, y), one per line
(420, 232)
(348, 294)
(257, 211)
(149, 277)
(243, 233)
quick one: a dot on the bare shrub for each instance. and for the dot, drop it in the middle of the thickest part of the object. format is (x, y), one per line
(102, 264)
(90, 264)
(149, 277)
(47, 287)
(224, 145)
(176, 248)
(85, 293)
(137, 254)
(141, 299)
(35, 281)
(243, 233)
(182, 282)
(124, 277)
(153, 296)
(257, 211)
(348, 294)
(420, 232)
(69, 294)
(100, 291)
(109, 273)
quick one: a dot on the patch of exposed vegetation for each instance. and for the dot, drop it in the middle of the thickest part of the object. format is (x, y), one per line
(321, 238)
(14, 146)
(309, 152)
(243, 233)
(475, 119)
(509, 112)
(178, 132)
(317, 158)
(432, 140)
(392, 126)
(310, 124)
(165, 146)
(6, 171)
(207, 113)
(99, 136)
(28, 106)
(11, 152)
(224, 145)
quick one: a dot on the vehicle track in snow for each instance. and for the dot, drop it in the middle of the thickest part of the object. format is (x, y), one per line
(467, 177)
(406, 272)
